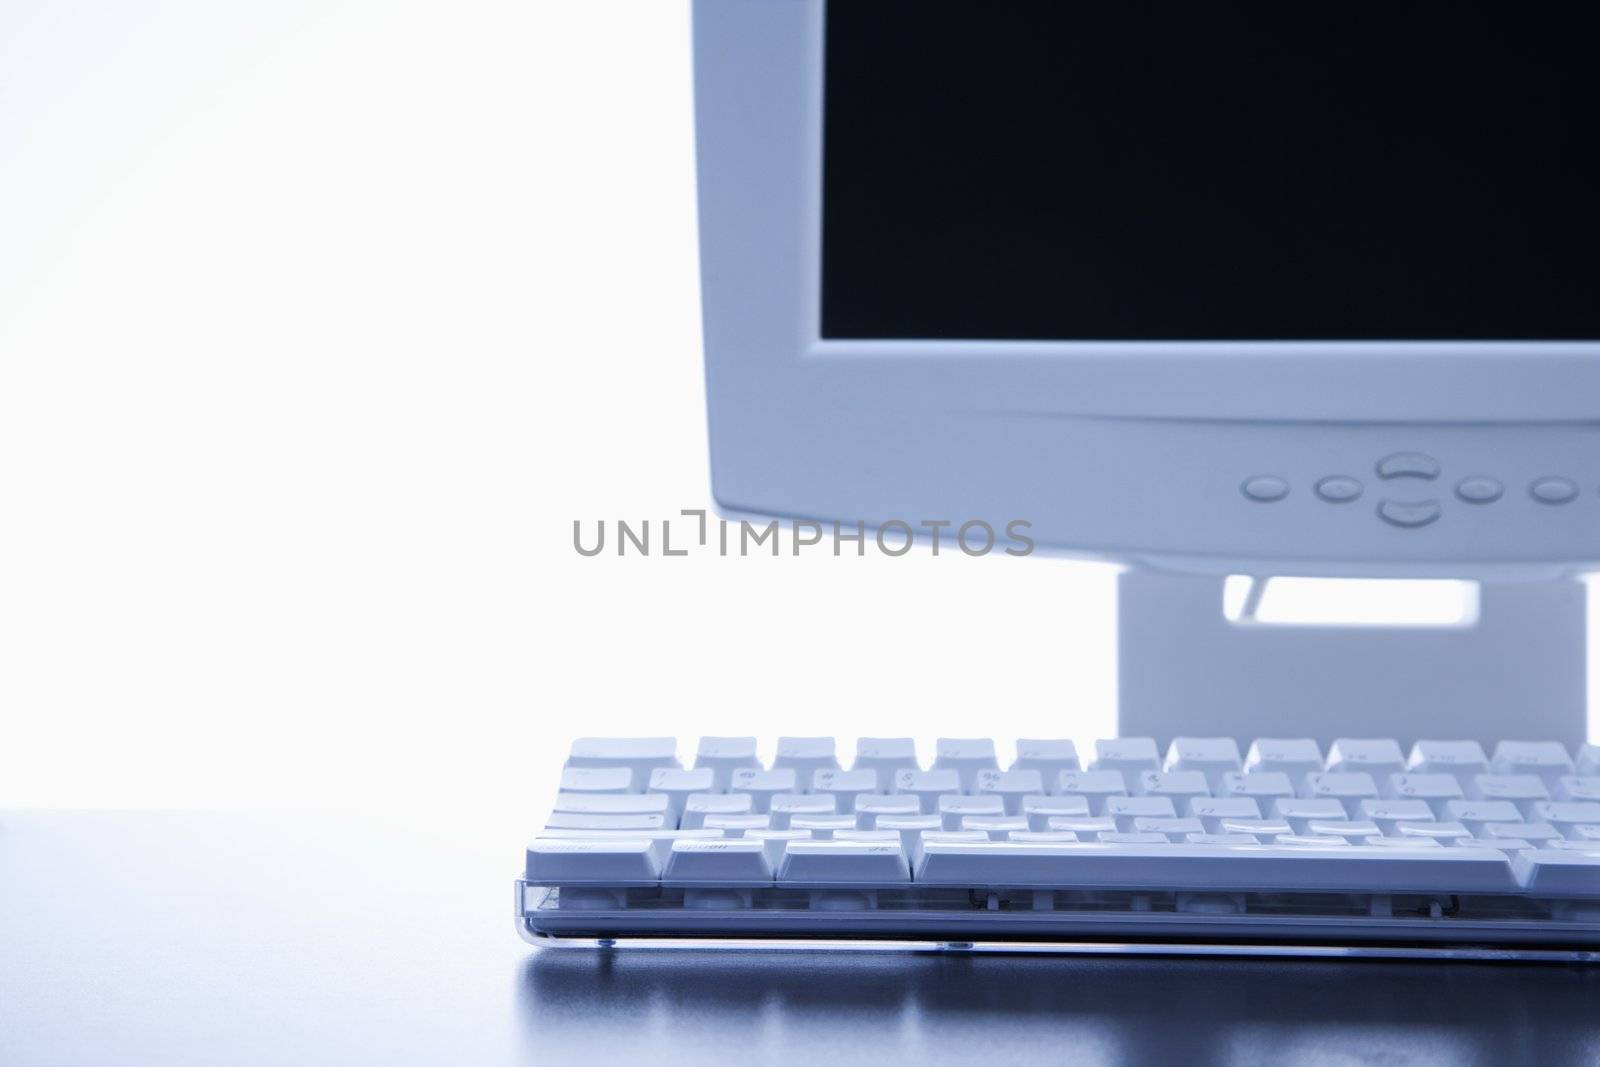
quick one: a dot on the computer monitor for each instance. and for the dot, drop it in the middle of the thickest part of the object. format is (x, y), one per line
(1210, 286)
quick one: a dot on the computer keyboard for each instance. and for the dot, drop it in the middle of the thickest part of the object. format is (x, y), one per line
(1368, 847)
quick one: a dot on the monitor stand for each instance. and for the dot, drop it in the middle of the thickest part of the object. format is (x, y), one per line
(1184, 669)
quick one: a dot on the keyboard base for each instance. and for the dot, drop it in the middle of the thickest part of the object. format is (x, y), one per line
(541, 921)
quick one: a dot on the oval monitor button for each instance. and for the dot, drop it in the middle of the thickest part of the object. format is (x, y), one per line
(1553, 490)
(1338, 489)
(1265, 488)
(1479, 489)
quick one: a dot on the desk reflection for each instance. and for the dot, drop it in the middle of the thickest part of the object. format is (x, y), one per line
(671, 1006)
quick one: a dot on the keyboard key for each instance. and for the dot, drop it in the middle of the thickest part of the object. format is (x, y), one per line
(1404, 842)
(1476, 814)
(1387, 813)
(1349, 788)
(724, 755)
(761, 786)
(1540, 833)
(1348, 868)
(1049, 758)
(865, 835)
(1261, 786)
(1349, 829)
(1085, 826)
(623, 861)
(869, 805)
(1221, 839)
(1295, 757)
(821, 827)
(728, 862)
(1172, 829)
(784, 806)
(660, 840)
(927, 786)
(965, 756)
(996, 826)
(1126, 809)
(952, 806)
(1263, 830)
(1037, 809)
(1505, 844)
(1578, 787)
(698, 805)
(1378, 757)
(1128, 756)
(1179, 786)
(1462, 760)
(1545, 760)
(805, 756)
(569, 820)
(947, 836)
(1588, 761)
(1211, 810)
(738, 825)
(1442, 832)
(1131, 837)
(597, 780)
(1523, 790)
(678, 786)
(1565, 814)
(615, 804)
(1025, 837)
(828, 863)
(1093, 786)
(886, 755)
(1299, 812)
(845, 786)
(1435, 790)
(1210, 757)
(639, 754)
(1309, 841)
(1555, 873)
(1010, 786)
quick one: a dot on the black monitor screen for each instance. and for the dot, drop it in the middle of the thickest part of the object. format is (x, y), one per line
(1211, 169)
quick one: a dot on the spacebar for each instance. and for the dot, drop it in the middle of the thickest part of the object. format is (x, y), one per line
(1240, 868)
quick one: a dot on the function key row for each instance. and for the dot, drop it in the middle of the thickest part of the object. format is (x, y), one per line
(627, 764)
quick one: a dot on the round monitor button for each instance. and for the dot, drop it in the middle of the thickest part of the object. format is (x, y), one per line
(1553, 490)
(1479, 489)
(1265, 488)
(1338, 489)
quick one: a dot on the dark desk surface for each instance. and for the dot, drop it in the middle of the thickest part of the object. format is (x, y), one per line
(300, 939)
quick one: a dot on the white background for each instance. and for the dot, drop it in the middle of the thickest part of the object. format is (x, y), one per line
(320, 323)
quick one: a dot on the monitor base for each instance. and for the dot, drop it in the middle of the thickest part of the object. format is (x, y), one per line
(1519, 671)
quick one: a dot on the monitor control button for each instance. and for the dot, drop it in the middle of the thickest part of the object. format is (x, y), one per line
(1409, 514)
(1408, 465)
(1338, 489)
(1479, 489)
(1553, 490)
(1265, 488)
